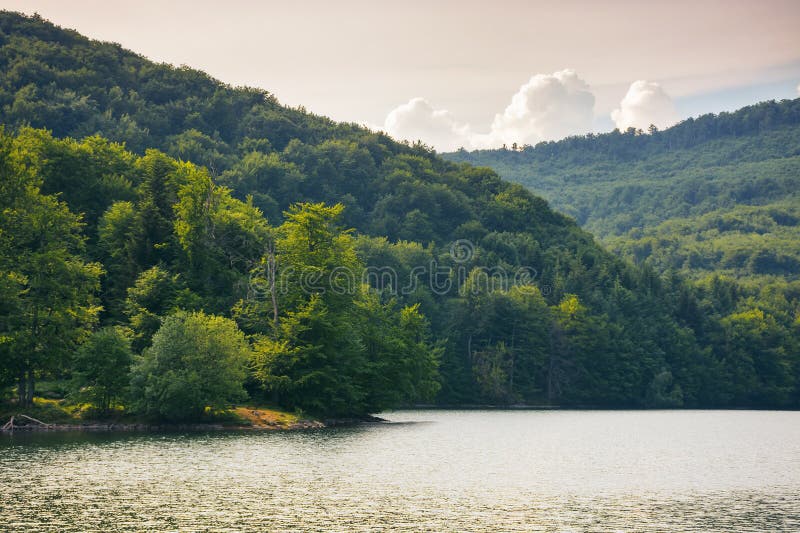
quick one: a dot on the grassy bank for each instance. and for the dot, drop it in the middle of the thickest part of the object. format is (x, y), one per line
(61, 415)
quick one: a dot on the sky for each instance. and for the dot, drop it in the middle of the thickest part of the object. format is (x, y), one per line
(467, 73)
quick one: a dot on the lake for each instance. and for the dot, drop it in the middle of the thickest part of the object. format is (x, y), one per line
(426, 470)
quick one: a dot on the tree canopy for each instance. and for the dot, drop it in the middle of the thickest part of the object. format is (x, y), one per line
(353, 273)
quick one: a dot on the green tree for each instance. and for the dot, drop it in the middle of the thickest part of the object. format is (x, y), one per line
(401, 362)
(196, 361)
(336, 350)
(316, 362)
(221, 239)
(48, 290)
(755, 359)
(503, 333)
(155, 294)
(101, 368)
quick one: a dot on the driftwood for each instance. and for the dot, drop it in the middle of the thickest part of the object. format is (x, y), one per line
(37, 421)
(11, 425)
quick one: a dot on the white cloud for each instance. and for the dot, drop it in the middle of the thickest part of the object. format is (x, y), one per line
(645, 103)
(418, 120)
(548, 107)
(798, 88)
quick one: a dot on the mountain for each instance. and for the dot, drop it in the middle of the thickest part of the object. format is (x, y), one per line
(514, 301)
(719, 194)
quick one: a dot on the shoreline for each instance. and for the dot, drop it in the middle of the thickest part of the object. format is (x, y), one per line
(101, 427)
(251, 419)
(238, 419)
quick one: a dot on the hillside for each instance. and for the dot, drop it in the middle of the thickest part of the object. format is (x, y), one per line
(714, 195)
(217, 191)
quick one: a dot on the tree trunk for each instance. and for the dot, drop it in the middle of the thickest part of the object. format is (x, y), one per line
(561, 363)
(272, 271)
(21, 386)
(556, 346)
(29, 392)
(511, 353)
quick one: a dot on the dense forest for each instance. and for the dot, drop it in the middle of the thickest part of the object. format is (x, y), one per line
(719, 194)
(171, 244)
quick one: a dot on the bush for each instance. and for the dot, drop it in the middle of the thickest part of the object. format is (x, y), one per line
(196, 361)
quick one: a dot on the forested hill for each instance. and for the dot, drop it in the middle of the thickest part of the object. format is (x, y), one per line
(719, 194)
(220, 195)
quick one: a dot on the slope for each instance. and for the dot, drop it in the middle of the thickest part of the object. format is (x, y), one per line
(716, 194)
(523, 304)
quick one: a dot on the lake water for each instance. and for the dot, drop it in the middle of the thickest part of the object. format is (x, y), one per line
(427, 470)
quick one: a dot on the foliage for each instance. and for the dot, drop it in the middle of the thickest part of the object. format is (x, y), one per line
(716, 194)
(196, 361)
(267, 208)
(47, 289)
(101, 369)
(336, 349)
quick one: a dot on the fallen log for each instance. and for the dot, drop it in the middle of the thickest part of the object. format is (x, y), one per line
(37, 421)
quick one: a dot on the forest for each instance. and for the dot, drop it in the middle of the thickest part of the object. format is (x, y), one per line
(171, 246)
(718, 194)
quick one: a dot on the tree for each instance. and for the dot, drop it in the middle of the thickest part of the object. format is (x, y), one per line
(503, 333)
(401, 362)
(336, 350)
(582, 363)
(48, 290)
(221, 239)
(315, 359)
(115, 242)
(754, 355)
(155, 294)
(196, 361)
(316, 362)
(101, 368)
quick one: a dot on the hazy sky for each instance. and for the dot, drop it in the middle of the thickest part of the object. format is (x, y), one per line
(463, 72)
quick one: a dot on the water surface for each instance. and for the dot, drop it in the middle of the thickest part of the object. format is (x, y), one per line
(427, 470)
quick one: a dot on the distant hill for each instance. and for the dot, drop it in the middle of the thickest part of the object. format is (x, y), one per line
(719, 194)
(588, 329)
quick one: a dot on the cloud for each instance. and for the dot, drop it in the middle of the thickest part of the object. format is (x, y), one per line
(644, 104)
(548, 107)
(419, 120)
(798, 88)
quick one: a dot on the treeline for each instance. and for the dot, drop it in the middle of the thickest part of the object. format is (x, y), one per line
(712, 195)
(168, 250)
(170, 307)
(635, 144)
(170, 279)
(758, 245)
(60, 80)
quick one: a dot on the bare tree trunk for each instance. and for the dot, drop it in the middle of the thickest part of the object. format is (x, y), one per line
(272, 269)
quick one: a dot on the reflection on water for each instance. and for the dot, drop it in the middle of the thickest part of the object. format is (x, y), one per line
(455, 471)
